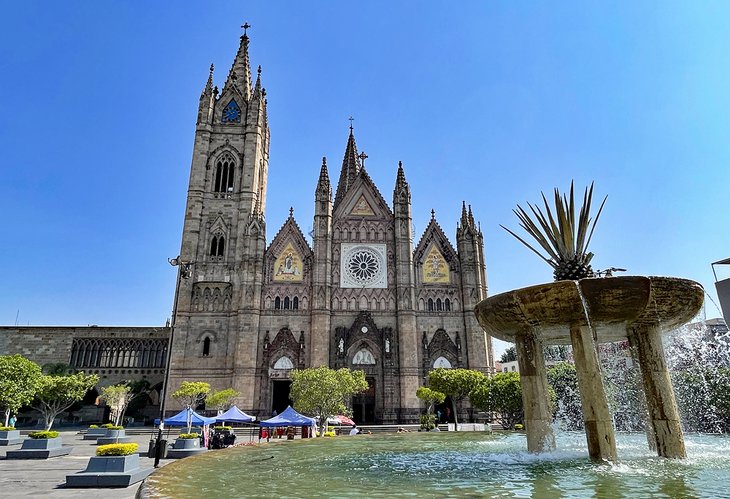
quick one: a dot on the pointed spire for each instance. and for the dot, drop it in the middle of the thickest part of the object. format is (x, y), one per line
(471, 218)
(324, 177)
(209, 84)
(464, 216)
(240, 74)
(400, 179)
(258, 79)
(350, 167)
(433, 214)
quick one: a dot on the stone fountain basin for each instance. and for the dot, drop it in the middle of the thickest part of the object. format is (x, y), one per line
(612, 304)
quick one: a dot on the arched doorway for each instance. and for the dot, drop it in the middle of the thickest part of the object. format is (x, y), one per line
(280, 400)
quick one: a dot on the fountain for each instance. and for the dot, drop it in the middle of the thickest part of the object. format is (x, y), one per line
(583, 314)
(584, 311)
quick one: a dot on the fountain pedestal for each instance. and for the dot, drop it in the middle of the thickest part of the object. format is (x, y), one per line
(584, 313)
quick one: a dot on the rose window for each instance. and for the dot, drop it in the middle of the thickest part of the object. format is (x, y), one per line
(363, 266)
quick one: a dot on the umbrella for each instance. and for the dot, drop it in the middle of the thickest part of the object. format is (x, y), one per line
(340, 419)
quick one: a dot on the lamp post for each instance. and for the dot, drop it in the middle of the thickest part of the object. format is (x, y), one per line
(183, 272)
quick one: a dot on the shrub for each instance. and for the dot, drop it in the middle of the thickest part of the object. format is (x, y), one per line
(519, 427)
(329, 434)
(116, 449)
(43, 434)
(112, 427)
(188, 436)
(428, 422)
(107, 425)
(6, 428)
(222, 428)
(93, 426)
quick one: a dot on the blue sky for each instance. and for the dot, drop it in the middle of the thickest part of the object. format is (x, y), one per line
(485, 102)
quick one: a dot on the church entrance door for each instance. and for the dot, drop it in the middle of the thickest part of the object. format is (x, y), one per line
(363, 405)
(280, 396)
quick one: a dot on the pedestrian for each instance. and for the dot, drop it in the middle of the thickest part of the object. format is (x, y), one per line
(12, 421)
(354, 430)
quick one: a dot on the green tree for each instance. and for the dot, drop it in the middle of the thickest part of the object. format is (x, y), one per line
(454, 383)
(509, 355)
(222, 399)
(563, 379)
(322, 391)
(117, 397)
(57, 369)
(430, 397)
(190, 395)
(501, 393)
(58, 393)
(19, 381)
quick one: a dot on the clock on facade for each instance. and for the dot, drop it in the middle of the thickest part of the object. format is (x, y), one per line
(231, 113)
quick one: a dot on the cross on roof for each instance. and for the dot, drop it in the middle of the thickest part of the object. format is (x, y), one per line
(351, 120)
(245, 27)
(362, 157)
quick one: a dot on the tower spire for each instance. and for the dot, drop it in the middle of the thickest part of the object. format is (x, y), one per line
(240, 74)
(350, 167)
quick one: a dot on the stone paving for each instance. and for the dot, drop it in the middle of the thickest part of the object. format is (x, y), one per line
(20, 478)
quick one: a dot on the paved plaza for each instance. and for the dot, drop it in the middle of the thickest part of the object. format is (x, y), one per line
(46, 477)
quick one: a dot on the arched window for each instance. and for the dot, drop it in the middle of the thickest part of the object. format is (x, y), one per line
(224, 174)
(363, 356)
(284, 363)
(206, 346)
(217, 245)
(438, 304)
(447, 305)
(430, 304)
(442, 362)
(277, 303)
(286, 303)
(295, 303)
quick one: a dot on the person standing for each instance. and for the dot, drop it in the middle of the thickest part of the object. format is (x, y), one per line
(12, 420)
(354, 430)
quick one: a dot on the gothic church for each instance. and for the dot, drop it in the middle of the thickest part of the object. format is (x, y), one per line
(360, 296)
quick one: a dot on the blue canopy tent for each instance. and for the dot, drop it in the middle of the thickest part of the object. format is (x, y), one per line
(181, 419)
(289, 417)
(234, 415)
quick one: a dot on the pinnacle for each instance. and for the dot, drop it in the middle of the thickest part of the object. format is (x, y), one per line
(350, 168)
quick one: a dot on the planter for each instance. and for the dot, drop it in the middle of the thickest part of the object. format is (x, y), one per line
(10, 437)
(186, 443)
(184, 447)
(109, 471)
(113, 437)
(40, 448)
(94, 433)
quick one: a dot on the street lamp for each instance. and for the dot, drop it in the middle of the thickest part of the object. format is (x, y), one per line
(183, 272)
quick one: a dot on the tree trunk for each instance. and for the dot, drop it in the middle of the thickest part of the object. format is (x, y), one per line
(456, 418)
(49, 418)
(7, 416)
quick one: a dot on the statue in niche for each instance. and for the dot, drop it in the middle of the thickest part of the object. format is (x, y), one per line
(387, 345)
(341, 346)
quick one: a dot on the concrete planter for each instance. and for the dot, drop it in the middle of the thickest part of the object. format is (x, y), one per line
(113, 437)
(109, 471)
(185, 447)
(186, 443)
(40, 448)
(10, 437)
(94, 433)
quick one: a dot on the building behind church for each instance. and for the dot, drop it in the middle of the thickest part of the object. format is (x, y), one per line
(362, 295)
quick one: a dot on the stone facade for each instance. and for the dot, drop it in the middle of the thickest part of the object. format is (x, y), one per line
(116, 354)
(359, 296)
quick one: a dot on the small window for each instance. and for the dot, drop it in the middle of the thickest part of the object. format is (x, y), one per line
(295, 303)
(206, 346)
(277, 303)
(438, 304)
(286, 303)
(217, 246)
(447, 305)
(430, 304)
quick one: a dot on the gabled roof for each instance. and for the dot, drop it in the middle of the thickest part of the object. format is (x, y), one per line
(362, 187)
(434, 234)
(289, 231)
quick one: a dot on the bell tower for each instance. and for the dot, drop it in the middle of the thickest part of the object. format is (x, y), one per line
(224, 235)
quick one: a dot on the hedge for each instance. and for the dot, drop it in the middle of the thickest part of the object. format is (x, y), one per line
(43, 434)
(112, 427)
(222, 428)
(116, 449)
(188, 436)
(93, 426)
(7, 428)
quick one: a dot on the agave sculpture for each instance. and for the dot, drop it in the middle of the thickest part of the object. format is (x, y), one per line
(565, 244)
